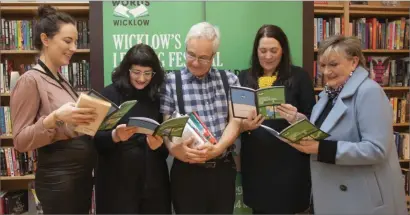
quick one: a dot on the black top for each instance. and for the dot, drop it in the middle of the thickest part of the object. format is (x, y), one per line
(327, 148)
(129, 170)
(276, 177)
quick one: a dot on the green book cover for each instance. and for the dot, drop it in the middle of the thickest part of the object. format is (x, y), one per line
(115, 113)
(301, 129)
(173, 127)
(111, 121)
(263, 101)
(297, 131)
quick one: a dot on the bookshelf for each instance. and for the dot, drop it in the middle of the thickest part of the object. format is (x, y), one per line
(346, 19)
(25, 55)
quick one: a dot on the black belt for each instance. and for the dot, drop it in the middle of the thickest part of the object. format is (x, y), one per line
(213, 162)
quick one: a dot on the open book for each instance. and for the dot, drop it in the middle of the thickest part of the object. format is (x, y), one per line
(297, 131)
(244, 100)
(196, 129)
(172, 127)
(108, 112)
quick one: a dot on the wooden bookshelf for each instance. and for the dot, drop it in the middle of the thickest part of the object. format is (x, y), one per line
(6, 137)
(27, 11)
(4, 52)
(24, 177)
(23, 8)
(318, 89)
(384, 51)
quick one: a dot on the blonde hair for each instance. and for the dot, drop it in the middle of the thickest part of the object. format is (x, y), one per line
(348, 46)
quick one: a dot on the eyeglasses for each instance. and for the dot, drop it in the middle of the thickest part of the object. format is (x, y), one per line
(147, 74)
(201, 60)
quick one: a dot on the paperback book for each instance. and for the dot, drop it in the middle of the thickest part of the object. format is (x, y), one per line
(108, 113)
(172, 127)
(297, 131)
(263, 101)
(196, 129)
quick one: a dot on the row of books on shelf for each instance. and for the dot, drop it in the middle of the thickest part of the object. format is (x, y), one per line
(26, 201)
(402, 141)
(77, 73)
(373, 33)
(385, 70)
(382, 34)
(326, 27)
(14, 163)
(5, 121)
(400, 107)
(406, 178)
(16, 202)
(19, 34)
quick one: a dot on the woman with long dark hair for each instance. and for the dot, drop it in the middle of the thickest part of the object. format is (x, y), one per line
(132, 173)
(275, 176)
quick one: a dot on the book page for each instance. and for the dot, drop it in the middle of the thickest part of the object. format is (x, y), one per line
(144, 125)
(139, 11)
(243, 101)
(298, 130)
(101, 109)
(172, 127)
(268, 98)
(111, 121)
(97, 95)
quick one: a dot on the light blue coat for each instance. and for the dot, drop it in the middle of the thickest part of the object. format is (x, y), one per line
(367, 163)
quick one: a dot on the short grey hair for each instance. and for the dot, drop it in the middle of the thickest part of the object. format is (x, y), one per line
(204, 30)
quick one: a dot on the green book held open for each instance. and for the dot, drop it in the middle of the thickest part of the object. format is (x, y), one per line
(115, 113)
(173, 127)
(298, 130)
(263, 101)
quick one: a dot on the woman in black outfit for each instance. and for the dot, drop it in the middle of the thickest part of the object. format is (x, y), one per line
(275, 176)
(132, 173)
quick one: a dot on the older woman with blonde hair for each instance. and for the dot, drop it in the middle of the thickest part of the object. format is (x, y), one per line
(355, 170)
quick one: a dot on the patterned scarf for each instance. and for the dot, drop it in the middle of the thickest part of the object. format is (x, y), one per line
(334, 93)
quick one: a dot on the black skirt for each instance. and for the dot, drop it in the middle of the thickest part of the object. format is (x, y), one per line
(64, 178)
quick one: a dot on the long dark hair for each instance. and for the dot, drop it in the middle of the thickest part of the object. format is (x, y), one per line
(141, 55)
(284, 71)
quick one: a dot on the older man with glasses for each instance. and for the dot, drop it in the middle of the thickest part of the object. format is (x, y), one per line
(203, 178)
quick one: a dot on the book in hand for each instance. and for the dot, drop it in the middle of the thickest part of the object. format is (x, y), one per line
(297, 131)
(200, 128)
(172, 127)
(195, 129)
(108, 113)
(115, 113)
(263, 101)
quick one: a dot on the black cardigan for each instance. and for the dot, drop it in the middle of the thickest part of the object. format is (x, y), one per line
(275, 176)
(128, 170)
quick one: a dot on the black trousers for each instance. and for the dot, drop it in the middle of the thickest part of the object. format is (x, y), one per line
(203, 188)
(64, 176)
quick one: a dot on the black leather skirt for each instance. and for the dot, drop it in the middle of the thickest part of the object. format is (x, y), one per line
(64, 179)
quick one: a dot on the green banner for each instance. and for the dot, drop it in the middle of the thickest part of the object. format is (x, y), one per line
(163, 27)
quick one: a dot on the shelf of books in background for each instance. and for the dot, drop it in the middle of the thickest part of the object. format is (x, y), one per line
(383, 28)
(17, 55)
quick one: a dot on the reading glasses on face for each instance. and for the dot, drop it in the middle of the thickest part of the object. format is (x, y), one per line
(148, 74)
(201, 60)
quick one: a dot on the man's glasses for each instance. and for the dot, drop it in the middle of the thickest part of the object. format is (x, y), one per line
(201, 60)
(147, 74)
